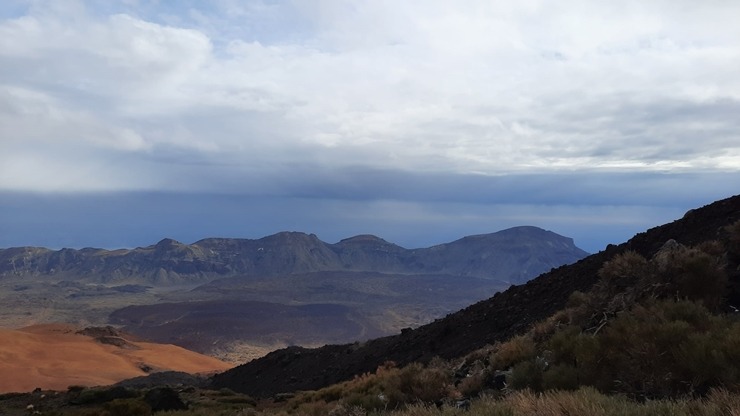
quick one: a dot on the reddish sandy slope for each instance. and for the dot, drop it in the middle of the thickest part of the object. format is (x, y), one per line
(54, 357)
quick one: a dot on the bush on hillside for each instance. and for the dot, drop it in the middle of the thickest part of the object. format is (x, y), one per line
(696, 275)
(388, 388)
(127, 407)
(513, 351)
(664, 349)
(623, 271)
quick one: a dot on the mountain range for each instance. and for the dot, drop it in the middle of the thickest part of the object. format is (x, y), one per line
(514, 255)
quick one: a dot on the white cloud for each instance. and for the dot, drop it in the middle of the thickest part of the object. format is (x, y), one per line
(485, 87)
(35, 119)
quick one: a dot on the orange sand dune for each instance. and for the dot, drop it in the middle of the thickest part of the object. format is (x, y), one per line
(53, 357)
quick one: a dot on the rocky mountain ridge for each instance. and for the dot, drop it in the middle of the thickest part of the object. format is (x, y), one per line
(513, 255)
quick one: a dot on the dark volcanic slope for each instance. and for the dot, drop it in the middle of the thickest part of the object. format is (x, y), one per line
(512, 255)
(498, 318)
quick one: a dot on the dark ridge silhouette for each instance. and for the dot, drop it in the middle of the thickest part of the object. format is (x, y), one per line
(496, 319)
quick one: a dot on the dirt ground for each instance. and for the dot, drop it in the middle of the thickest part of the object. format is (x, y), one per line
(54, 357)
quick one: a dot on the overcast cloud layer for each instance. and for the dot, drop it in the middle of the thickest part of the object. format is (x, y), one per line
(438, 115)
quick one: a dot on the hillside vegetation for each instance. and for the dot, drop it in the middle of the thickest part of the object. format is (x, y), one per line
(657, 333)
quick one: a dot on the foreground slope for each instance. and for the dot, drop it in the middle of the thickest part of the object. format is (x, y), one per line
(497, 319)
(55, 356)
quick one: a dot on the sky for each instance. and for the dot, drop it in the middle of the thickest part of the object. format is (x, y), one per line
(125, 122)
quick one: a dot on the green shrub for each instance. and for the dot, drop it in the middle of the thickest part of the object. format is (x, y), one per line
(578, 299)
(344, 410)
(513, 351)
(95, 395)
(415, 383)
(368, 401)
(314, 409)
(225, 391)
(471, 386)
(127, 407)
(75, 388)
(699, 276)
(389, 387)
(622, 271)
(561, 377)
(526, 375)
(667, 349)
(238, 399)
(331, 393)
(733, 240)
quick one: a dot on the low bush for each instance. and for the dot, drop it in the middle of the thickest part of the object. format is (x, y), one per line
(526, 375)
(94, 395)
(472, 385)
(624, 271)
(513, 351)
(127, 407)
(667, 349)
(697, 275)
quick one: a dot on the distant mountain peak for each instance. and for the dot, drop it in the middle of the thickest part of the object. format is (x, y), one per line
(362, 238)
(522, 230)
(290, 236)
(365, 239)
(166, 243)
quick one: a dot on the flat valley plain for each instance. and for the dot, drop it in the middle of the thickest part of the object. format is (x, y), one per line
(238, 319)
